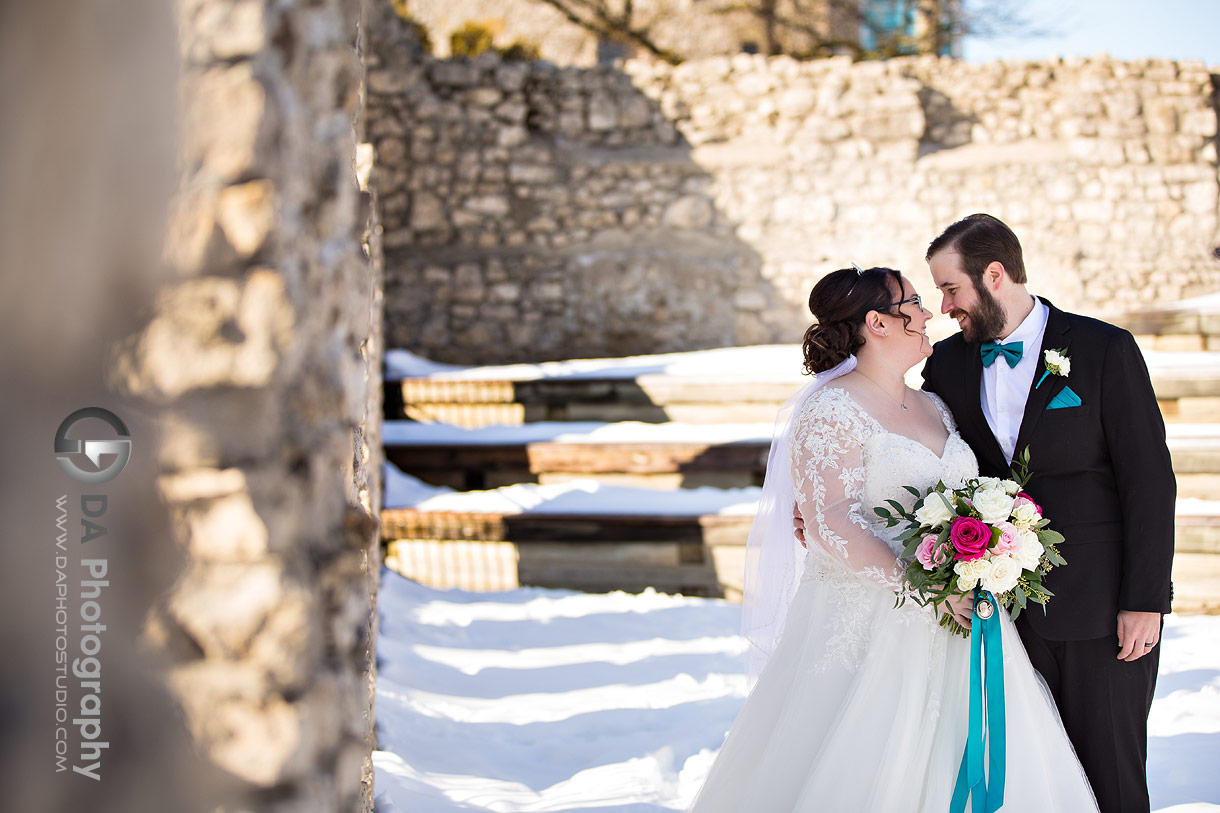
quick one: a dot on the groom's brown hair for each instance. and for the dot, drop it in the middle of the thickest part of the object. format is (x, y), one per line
(981, 239)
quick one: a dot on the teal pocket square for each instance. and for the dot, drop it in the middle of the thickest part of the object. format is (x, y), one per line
(1064, 398)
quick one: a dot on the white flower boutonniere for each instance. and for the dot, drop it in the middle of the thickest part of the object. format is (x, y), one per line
(1057, 362)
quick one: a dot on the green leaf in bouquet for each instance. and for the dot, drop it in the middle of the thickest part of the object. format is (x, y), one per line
(881, 512)
(1054, 558)
(1020, 596)
(897, 506)
(1048, 537)
(914, 491)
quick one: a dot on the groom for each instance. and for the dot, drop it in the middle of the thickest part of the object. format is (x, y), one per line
(1101, 472)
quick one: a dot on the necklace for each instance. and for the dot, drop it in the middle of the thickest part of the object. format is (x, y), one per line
(905, 389)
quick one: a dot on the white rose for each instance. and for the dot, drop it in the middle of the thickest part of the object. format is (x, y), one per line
(1058, 363)
(1024, 515)
(1002, 575)
(993, 505)
(989, 482)
(1011, 487)
(934, 511)
(1029, 550)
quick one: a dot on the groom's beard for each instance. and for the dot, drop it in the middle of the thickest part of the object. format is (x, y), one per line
(986, 319)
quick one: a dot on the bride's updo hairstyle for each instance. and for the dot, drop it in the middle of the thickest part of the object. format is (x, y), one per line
(839, 303)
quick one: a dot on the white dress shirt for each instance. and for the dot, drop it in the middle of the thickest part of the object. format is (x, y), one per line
(1005, 389)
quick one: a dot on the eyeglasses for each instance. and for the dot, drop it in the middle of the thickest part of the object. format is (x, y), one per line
(916, 299)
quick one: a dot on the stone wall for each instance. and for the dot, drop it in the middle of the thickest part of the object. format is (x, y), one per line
(533, 212)
(262, 357)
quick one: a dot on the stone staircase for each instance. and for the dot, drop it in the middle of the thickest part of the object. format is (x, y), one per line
(666, 431)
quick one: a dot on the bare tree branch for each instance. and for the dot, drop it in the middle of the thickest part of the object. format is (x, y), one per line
(602, 22)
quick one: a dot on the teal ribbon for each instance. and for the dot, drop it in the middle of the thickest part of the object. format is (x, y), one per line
(1045, 373)
(987, 730)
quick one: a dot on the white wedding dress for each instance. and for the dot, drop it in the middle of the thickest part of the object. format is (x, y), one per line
(863, 707)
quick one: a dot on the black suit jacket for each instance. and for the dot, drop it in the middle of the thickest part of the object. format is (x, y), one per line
(1101, 471)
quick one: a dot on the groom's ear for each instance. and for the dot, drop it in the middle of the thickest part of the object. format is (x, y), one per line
(994, 275)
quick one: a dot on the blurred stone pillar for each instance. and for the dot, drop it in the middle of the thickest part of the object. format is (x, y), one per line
(263, 354)
(243, 352)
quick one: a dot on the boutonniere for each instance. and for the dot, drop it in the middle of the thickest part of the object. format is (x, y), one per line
(1057, 362)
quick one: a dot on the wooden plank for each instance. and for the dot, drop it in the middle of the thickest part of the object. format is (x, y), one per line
(400, 523)
(591, 458)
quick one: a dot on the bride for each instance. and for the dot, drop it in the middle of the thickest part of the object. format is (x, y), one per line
(862, 706)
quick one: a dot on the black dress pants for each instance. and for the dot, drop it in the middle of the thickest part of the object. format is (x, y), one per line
(1104, 703)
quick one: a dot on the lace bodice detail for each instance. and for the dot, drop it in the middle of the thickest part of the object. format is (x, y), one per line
(844, 463)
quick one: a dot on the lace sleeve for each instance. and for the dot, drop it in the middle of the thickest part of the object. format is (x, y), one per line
(828, 474)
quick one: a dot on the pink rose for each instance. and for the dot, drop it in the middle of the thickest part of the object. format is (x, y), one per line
(1023, 496)
(1009, 540)
(970, 538)
(929, 554)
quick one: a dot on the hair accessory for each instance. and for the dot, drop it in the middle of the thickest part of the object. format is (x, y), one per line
(859, 270)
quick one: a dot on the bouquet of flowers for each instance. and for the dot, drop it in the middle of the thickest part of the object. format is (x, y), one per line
(988, 534)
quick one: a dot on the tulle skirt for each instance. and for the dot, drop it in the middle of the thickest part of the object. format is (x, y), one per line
(864, 707)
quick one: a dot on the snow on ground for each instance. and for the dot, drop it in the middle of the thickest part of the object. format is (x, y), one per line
(582, 496)
(553, 700)
(765, 362)
(761, 362)
(589, 496)
(409, 433)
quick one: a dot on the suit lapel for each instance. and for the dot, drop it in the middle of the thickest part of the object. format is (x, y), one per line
(1055, 338)
(974, 414)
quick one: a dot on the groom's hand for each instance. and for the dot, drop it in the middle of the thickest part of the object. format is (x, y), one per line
(798, 526)
(1138, 633)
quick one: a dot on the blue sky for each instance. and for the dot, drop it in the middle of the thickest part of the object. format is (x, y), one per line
(1127, 29)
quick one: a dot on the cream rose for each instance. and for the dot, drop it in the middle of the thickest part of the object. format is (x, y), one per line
(1029, 549)
(969, 573)
(993, 505)
(1011, 487)
(1024, 514)
(1002, 575)
(934, 510)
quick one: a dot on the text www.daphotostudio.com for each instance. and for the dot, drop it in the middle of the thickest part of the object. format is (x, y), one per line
(78, 667)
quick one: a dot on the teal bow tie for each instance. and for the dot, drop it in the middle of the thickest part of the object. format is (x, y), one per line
(992, 350)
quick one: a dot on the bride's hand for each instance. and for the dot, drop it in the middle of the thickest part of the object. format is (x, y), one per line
(961, 608)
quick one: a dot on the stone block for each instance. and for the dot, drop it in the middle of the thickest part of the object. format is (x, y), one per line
(225, 147)
(427, 212)
(603, 112)
(225, 31)
(1201, 197)
(246, 214)
(689, 212)
(454, 73)
(532, 174)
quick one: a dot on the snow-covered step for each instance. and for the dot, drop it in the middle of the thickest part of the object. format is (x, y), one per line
(734, 385)
(666, 455)
(660, 455)
(598, 537)
(1192, 324)
(584, 534)
(653, 398)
